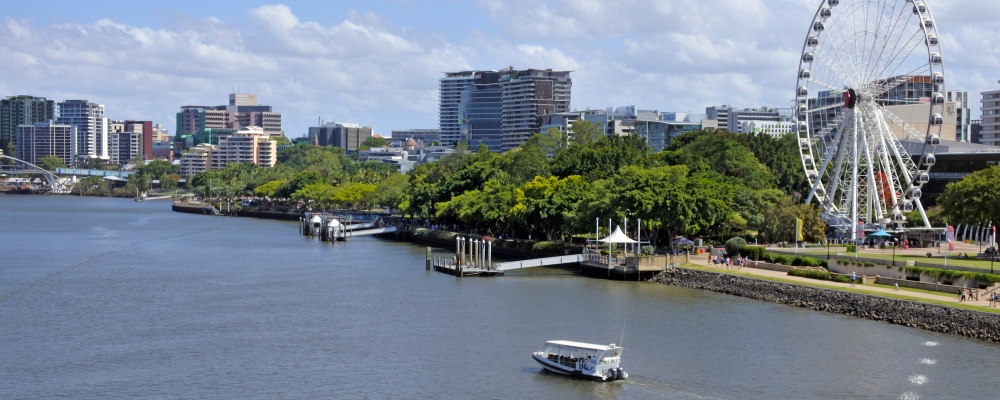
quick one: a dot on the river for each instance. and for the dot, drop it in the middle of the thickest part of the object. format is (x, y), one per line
(111, 298)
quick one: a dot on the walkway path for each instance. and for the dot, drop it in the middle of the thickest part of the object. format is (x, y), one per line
(763, 273)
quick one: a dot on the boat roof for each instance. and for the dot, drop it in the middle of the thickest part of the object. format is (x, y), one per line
(579, 345)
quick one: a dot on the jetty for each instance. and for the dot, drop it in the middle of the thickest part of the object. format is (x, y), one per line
(330, 227)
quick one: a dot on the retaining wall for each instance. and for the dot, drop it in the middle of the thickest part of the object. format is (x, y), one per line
(931, 317)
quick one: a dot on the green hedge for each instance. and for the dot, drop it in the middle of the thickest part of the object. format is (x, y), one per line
(841, 279)
(810, 273)
(753, 252)
(952, 275)
(852, 248)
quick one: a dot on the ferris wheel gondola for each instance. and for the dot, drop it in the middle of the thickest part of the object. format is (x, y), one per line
(871, 74)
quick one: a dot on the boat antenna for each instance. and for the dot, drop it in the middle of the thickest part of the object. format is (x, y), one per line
(623, 334)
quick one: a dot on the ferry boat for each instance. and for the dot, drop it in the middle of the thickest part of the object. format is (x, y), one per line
(596, 362)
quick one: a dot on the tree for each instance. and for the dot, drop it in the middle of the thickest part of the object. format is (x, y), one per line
(391, 192)
(10, 150)
(586, 132)
(601, 159)
(156, 169)
(50, 163)
(974, 199)
(374, 141)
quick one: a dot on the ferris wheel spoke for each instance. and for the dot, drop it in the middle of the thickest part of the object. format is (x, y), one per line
(823, 84)
(901, 79)
(902, 58)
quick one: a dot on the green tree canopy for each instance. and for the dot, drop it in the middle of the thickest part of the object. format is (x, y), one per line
(50, 163)
(974, 199)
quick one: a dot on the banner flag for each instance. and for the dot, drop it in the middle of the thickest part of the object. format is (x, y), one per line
(861, 230)
(798, 230)
(950, 237)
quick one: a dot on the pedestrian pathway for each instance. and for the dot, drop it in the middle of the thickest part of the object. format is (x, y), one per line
(943, 297)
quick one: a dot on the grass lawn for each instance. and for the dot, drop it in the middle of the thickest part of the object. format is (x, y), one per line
(858, 289)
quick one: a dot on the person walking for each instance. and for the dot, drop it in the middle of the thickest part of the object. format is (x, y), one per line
(853, 278)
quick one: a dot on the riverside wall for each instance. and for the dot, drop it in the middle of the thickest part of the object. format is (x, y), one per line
(974, 324)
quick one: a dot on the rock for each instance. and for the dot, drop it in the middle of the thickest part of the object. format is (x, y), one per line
(975, 324)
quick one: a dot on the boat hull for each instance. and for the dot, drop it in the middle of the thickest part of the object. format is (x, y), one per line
(562, 370)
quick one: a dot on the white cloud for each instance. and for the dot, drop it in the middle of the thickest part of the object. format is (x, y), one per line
(367, 67)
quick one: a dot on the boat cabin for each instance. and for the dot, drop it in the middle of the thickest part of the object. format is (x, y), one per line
(574, 354)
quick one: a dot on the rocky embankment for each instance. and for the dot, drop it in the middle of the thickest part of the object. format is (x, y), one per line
(902, 312)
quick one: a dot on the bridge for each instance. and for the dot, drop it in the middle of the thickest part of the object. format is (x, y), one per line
(53, 183)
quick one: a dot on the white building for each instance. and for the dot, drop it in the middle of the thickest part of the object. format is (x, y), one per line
(45, 139)
(196, 159)
(990, 133)
(771, 128)
(90, 126)
(731, 119)
(248, 145)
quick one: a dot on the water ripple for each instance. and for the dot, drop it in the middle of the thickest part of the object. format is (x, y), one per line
(931, 344)
(928, 361)
(918, 379)
(909, 396)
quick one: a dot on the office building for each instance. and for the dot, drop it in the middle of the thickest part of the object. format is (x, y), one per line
(45, 139)
(963, 114)
(738, 121)
(479, 112)
(90, 126)
(525, 95)
(347, 136)
(208, 124)
(425, 137)
(124, 147)
(22, 110)
(451, 87)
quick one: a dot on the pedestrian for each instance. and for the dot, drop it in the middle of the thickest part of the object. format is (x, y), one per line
(853, 277)
(897, 286)
(961, 295)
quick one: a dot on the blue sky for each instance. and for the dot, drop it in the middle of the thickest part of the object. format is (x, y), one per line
(377, 62)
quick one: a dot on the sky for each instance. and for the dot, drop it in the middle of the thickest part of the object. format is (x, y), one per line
(378, 62)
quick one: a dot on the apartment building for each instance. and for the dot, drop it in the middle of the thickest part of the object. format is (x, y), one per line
(45, 139)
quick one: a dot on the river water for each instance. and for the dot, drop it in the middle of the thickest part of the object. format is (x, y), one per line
(110, 298)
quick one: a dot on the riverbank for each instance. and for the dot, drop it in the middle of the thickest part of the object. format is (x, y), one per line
(914, 314)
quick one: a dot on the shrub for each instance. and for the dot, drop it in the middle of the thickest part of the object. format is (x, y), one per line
(783, 260)
(841, 278)
(952, 275)
(869, 264)
(810, 273)
(733, 246)
(752, 252)
(647, 250)
(852, 248)
(824, 264)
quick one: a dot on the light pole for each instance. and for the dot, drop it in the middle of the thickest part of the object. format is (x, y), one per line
(627, 212)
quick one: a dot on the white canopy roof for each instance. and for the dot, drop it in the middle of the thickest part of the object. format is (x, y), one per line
(617, 237)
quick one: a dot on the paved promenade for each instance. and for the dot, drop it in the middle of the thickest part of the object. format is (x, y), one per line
(983, 304)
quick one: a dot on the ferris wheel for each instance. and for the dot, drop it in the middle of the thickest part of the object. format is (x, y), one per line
(869, 103)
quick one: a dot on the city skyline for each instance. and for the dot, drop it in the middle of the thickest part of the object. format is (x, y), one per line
(379, 64)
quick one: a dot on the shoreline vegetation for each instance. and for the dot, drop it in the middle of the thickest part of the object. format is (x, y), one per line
(714, 185)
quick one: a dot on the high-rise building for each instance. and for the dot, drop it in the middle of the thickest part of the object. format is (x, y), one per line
(124, 147)
(451, 87)
(963, 115)
(479, 112)
(90, 126)
(347, 136)
(990, 126)
(44, 139)
(22, 110)
(423, 136)
(248, 145)
(525, 95)
(528, 94)
(208, 124)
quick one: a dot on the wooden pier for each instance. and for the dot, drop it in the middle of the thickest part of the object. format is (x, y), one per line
(329, 228)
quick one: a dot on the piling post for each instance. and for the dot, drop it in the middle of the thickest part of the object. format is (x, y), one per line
(475, 253)
(489, 254)
(428, 264)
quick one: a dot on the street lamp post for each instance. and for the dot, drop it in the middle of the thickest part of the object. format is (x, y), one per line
(627, 212)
